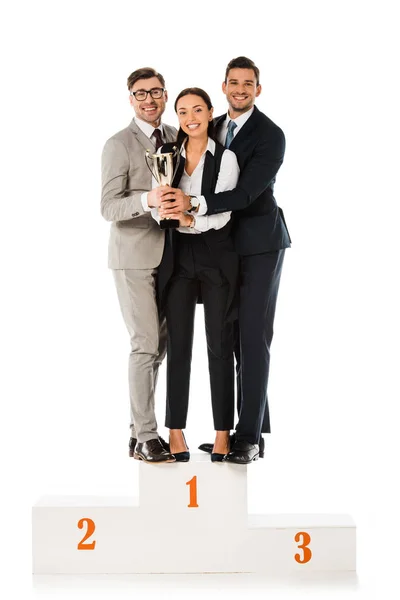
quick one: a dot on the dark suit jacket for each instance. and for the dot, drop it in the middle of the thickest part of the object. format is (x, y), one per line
(259, 224)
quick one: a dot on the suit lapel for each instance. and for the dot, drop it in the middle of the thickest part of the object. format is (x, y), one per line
(179, 171)
(147, 143)
(141, 137)
(245, 131)
(218, 122)
(208, 174)
(169, 133)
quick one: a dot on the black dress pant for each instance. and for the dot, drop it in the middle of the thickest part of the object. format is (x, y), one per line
(259, 284)
(196, 272)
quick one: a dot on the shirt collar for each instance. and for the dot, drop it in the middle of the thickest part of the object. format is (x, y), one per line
(147, 128)
(241, 120)
(210, 147)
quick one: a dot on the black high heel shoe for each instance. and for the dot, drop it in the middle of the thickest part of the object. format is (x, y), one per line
(182, 456)
(217, 457)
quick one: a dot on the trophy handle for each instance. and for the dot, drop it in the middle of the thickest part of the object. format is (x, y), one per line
(177, 156)
(146, 156)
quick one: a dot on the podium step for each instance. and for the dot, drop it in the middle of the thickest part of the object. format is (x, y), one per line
(190, 518)
(197, 494)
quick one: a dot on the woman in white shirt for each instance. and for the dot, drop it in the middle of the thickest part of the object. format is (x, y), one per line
(199, 261)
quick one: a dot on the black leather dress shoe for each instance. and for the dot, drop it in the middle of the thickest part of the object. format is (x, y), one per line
(133, 442)
(164, 444)
(152, 452)
(243, 453)
(206, 447)
(262, 447)
(209, 447)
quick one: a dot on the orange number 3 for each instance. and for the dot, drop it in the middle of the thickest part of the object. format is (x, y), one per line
(307, 554)
(193, 492)
(90, 531)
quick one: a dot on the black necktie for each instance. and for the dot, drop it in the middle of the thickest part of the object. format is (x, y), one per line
(157, 136)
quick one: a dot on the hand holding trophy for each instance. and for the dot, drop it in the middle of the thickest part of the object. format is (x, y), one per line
(162, 168)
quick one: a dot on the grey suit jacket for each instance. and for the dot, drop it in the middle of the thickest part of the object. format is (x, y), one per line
(136, 240)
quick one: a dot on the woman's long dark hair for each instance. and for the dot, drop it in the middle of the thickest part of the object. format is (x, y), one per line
(196, 92)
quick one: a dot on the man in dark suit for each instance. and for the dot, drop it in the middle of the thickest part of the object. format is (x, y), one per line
(261, 237)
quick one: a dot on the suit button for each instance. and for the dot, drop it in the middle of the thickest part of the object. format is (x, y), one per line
(135, 214)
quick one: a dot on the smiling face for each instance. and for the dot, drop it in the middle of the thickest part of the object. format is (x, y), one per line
(194, 116)
(150, 109)
(241, 90)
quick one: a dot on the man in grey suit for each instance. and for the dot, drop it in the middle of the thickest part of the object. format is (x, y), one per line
(135, 250)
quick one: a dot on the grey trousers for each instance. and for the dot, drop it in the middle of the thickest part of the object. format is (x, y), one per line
(137, 298)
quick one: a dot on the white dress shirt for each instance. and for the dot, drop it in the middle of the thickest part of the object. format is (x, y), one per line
(191, 184)
(240, 121)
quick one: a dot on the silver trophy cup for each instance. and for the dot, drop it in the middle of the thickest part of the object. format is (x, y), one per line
(162, 168)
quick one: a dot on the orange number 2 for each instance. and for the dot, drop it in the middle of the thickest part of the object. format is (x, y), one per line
(90, 531)
(307, 554)
(193, 492)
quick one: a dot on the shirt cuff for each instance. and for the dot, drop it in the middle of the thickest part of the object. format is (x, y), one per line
(143, 199)
(202, 206)
(155, 215)
(201, 223)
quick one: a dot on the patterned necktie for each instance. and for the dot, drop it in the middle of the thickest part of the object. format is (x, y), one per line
(229, 136)
(157, 136)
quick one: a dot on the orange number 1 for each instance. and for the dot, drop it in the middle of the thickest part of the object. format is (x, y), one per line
(307, 554)
(193, 492)
(90, 531)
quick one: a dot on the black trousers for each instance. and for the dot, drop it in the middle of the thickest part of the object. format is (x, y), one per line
(196, 272)
(259, 284)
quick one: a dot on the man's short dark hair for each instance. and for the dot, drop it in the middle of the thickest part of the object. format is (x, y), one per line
(242, 62)
(144, 73)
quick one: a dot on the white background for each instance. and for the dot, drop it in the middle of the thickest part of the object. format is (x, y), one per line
(329, 72)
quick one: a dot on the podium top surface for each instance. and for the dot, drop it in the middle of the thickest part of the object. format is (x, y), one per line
(93, 501)
(195, 457)
(260, 521)
(284, 521)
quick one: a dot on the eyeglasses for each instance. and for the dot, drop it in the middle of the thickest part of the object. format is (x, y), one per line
(155, 93)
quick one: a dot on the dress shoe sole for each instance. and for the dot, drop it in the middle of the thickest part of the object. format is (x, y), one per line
(153, 462)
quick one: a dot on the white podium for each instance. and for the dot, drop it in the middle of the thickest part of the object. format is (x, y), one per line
(190, 518)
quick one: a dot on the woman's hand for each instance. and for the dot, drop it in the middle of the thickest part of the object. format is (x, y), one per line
(154, 197)
(174, 200)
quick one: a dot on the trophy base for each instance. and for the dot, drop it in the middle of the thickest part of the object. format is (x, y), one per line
(169, 223)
